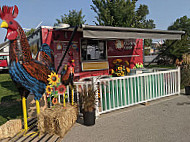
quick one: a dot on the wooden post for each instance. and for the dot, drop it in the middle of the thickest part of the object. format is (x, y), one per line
(179, 80)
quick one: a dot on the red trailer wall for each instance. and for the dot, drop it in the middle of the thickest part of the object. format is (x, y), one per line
(133, 56)
(58, 41)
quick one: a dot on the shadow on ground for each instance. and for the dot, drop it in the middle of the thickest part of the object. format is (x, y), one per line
(80, 120)
(184, 103)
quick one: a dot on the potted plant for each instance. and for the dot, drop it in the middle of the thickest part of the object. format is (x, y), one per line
(88, 96)
(185, 78)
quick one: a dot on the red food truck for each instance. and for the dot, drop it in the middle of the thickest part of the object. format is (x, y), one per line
(94, 47)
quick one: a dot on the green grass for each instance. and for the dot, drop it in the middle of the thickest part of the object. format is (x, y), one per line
(10, 102)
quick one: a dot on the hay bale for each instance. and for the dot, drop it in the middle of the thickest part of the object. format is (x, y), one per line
(10, 128)
(31, 105)
(57, 120)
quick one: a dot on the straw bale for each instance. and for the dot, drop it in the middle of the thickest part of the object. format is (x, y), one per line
(10, 128)
(57, 120)
(31, 105)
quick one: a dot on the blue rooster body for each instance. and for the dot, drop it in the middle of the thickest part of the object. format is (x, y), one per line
(27, 73)
(23, 78)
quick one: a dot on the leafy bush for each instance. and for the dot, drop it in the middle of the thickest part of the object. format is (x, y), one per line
(185, 76)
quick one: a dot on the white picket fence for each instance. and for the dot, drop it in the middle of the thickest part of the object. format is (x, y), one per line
(120, 92)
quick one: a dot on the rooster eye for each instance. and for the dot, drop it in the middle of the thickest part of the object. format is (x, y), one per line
(11, 22)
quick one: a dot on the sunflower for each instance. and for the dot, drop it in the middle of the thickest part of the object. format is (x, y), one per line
(126, 63)
(112, 71)
(117, 61)
(120, 68)
(53, 78)
(128, 70)
(49, 89)
(61, 89)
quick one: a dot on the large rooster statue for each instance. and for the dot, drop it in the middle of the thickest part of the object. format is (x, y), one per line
(29, 75)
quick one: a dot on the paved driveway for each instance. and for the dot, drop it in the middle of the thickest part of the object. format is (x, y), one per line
(164, 120)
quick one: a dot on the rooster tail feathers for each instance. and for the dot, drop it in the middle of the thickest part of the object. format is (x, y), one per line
(45, 48)
(45, 56)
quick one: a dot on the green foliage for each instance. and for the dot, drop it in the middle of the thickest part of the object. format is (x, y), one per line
(147, 42)
(29, 32)
(185, 76)
(73, 18)
(121, 13)
(146, 52)
(10, 102)
(177, 49)
(182, 23)
(181, 46)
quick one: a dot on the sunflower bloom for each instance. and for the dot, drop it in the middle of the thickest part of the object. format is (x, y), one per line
(116, 61)
(53, 78)
(128, 70)
(49, 89)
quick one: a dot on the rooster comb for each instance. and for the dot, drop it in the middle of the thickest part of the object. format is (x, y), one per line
(8, 10)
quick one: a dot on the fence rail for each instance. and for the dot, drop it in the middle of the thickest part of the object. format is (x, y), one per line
(119, 92)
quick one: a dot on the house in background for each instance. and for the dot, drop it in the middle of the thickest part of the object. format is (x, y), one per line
(4, 55)
(151, 52)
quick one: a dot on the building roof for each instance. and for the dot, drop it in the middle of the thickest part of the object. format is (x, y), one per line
(2, 45)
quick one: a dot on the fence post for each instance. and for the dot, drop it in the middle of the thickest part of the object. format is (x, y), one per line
(179, 80)
(95, 83)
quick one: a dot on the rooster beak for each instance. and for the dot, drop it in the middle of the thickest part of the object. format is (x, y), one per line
(4, 24)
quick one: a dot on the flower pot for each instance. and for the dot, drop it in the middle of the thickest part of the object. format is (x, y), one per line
(187, 90)
(89, 118)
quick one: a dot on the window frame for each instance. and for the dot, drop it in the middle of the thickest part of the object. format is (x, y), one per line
(98, 60)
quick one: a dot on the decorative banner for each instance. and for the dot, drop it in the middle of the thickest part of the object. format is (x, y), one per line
(59, 53)
(59, 46)
(125, 44)
(74, 46)
(119, 44)
(129, 44)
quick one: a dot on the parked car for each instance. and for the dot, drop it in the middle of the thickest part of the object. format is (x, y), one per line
(4, 62)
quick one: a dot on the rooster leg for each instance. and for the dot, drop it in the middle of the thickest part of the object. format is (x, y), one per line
(72, 95)
(24, 113)
(37, 107)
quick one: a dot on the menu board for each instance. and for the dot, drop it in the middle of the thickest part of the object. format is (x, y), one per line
(59, 51)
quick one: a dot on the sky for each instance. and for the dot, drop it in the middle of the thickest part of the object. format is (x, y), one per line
(33, 12)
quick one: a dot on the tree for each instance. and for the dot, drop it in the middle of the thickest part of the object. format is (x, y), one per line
(73, 18)
(181, 46)
(30, 32)
(121, 13)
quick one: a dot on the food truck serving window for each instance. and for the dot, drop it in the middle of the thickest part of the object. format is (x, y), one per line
(93, 50)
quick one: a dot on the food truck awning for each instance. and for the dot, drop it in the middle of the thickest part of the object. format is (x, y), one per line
(107, 32)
